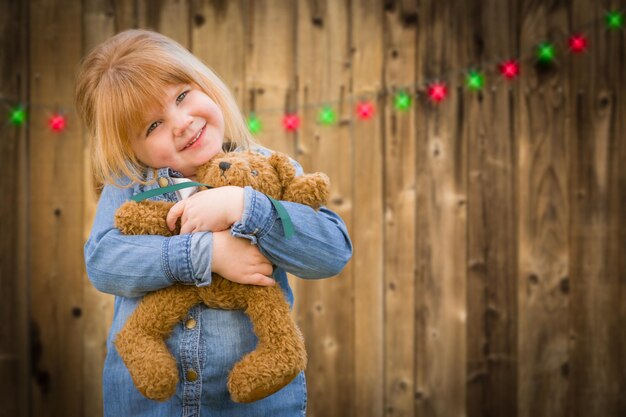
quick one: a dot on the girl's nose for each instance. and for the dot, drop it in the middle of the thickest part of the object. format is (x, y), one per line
(181, 124)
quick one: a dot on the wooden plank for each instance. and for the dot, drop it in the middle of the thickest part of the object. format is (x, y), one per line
(14, 358)
(325, 309)
(543, 195)
(492, 221)
(101, 20)
(367, 221)
(218, 37)
(441, 216)
(56, 217)
(270, 69)
(598, 190)
(169, 17)
(400, 38)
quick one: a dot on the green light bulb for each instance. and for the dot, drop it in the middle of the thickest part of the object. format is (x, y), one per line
(614, 20)
(254, 124)
(546, 53)
(327, 116)
(475, 81)
(402, 101)
(18, 116)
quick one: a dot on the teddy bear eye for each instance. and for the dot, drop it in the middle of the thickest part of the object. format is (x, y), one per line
(254, 172)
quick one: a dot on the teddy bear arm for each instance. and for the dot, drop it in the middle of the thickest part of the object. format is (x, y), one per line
(310, 189)
(143, 218)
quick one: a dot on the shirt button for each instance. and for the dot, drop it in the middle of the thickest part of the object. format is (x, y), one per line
(163, 182)
(192, 375)
(190, 324)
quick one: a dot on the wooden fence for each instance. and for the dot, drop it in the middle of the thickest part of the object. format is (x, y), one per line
(489, 268)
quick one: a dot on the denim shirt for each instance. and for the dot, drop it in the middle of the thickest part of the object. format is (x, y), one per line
(209, 341)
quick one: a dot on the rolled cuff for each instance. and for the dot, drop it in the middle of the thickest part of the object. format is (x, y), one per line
(187, 258)
(259, 216)
(201, 257)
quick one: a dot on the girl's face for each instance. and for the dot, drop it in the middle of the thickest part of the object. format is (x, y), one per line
(184, 135)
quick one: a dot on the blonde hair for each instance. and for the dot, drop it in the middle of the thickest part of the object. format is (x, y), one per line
(124, 77)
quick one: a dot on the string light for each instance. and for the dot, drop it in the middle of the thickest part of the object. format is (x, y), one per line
(510, 69)
(437, 92)
(57, 123)
(327, 116)
(402, 101)
(365, 110)
(475, 81)
(546, 53)
(577, 43)
(291, 122)
(254, 124)
(614, 20)
(17, 116)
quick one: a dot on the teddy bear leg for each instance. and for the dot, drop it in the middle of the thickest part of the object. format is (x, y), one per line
(280, 354)
(141, 342)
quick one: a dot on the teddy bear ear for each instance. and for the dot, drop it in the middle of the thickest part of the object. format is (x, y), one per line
(286, 171)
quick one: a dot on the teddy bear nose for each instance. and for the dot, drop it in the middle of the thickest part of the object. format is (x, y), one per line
(224, 165)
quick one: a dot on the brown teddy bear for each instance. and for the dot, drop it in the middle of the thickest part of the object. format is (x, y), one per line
(280, 354)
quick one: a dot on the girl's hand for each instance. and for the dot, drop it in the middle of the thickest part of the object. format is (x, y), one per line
(211, 210)
(238, 260)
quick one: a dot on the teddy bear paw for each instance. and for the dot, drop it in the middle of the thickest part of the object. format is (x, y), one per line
(259, 375)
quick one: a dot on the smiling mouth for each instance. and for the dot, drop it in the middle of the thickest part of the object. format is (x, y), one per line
(195, 138)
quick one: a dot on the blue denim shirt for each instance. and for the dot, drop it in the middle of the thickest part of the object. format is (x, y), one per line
(131, 266)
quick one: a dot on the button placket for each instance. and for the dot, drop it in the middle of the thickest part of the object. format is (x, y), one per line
(190, 359)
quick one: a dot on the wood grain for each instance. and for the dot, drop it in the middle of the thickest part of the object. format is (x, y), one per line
(441, 216)
(367, 232)
(492, 215)
(56, 216)
(14, 334)
(400, 42)
(325, 308)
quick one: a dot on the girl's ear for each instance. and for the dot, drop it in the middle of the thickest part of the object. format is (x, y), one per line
(286, 171)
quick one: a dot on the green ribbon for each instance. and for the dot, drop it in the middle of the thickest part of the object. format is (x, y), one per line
(170, 188)
(280, 209)
(284, 217)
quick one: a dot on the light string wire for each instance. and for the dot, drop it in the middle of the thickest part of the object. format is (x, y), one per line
(412, 90)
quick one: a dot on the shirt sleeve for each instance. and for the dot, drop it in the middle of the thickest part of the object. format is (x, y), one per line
(131, 266)
(320, 246)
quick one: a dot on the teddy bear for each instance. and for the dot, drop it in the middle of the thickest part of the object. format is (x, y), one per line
(280, 353)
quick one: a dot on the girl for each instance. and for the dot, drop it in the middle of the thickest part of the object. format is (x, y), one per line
(155, 113)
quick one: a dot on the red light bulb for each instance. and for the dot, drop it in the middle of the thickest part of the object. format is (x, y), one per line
(437, 92)
(57, 123)
(509, 69)
(365, 110)
(577, 43)
(291, 122)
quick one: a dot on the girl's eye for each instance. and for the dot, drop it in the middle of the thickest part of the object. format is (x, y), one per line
(152, 127)
(181, 97)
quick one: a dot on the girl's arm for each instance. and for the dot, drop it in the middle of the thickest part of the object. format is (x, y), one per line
(131, 266)
(320, 246)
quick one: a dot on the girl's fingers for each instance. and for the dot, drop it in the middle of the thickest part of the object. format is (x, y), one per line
(262, 280)
(175, 212)
(186, 227)
(267, 269)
